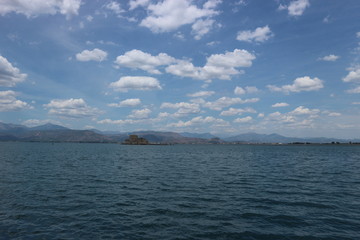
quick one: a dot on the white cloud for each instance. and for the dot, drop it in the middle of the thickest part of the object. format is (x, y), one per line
(243, 120)
(249, 89)
(115, 7)
(334, 114)
(9, 75)
(300, 117)
(186, 69)
(118, 122)
(282, 104)
(200, 121)
(218, 66)
(36, 7)
(140, 114)
(260, 34)
(131, 102)
(296, 8)
(202, 27)
(301, 110)
(358, 34)
(71, 108)
(213, 43)
(202, 94)
(169, 15)
(223, 102)
(237, 111)
(300, 84)
(93, 55)
(137, 3)
(184, 108)
(354, 90)
(135, 83)
(179, 35)
(330, 58)
(37, 122)
(239, 91)
(140, 60)
(281, 118)
(8, 102)
(353, 76)
(326, 19)
(355, 103)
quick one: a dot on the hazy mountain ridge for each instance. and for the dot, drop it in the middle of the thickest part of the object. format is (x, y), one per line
(56, 133)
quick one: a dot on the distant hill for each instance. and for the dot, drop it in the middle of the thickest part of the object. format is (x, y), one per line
(66, 135)
(259, 138)
(48, 133)
(48, 127)
(276, 138)
(55, 133)
(12, 128)
(198, 135)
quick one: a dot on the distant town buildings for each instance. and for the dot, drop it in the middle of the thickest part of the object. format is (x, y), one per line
(135, 140)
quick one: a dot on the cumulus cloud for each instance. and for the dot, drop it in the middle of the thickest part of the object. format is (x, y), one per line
(140, 113)
(296, 8)
(184, 108)
(218, 66)
(354, 90)
(140, 60)
(115, 7)
(131, 102)
(119, 122)
(92, 55)
(137, 3)
(282, 104)
(202, 27)
(353, 76)
(200, 121)
(237, 111)
(36, 7)
(300, 117)
(8, 102)
(249, 89)
(143, 83)
(9, 75)
(332, 114)
(330, 58)
(243, 120)
(301, 110)
(224, 102)
(239, 91)
(71, 108)
(260, 34)
(169, 15)
(202, 94)
(300, 84)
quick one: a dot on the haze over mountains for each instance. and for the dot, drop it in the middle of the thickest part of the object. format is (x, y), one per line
(55, 133)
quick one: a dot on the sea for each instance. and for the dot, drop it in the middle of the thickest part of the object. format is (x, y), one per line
(113, 191)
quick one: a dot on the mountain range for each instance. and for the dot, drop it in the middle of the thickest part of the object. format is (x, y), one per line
(55, 133)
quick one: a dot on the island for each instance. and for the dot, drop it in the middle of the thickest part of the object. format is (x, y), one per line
(135, 140)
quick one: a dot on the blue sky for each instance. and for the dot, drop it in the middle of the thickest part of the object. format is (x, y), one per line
(279, 66)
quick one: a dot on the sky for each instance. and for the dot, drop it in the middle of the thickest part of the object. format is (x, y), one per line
(290, 67)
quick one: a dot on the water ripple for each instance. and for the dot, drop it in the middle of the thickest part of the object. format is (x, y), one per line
(109, 191)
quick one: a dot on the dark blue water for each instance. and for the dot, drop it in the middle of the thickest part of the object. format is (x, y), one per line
(110, 191)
